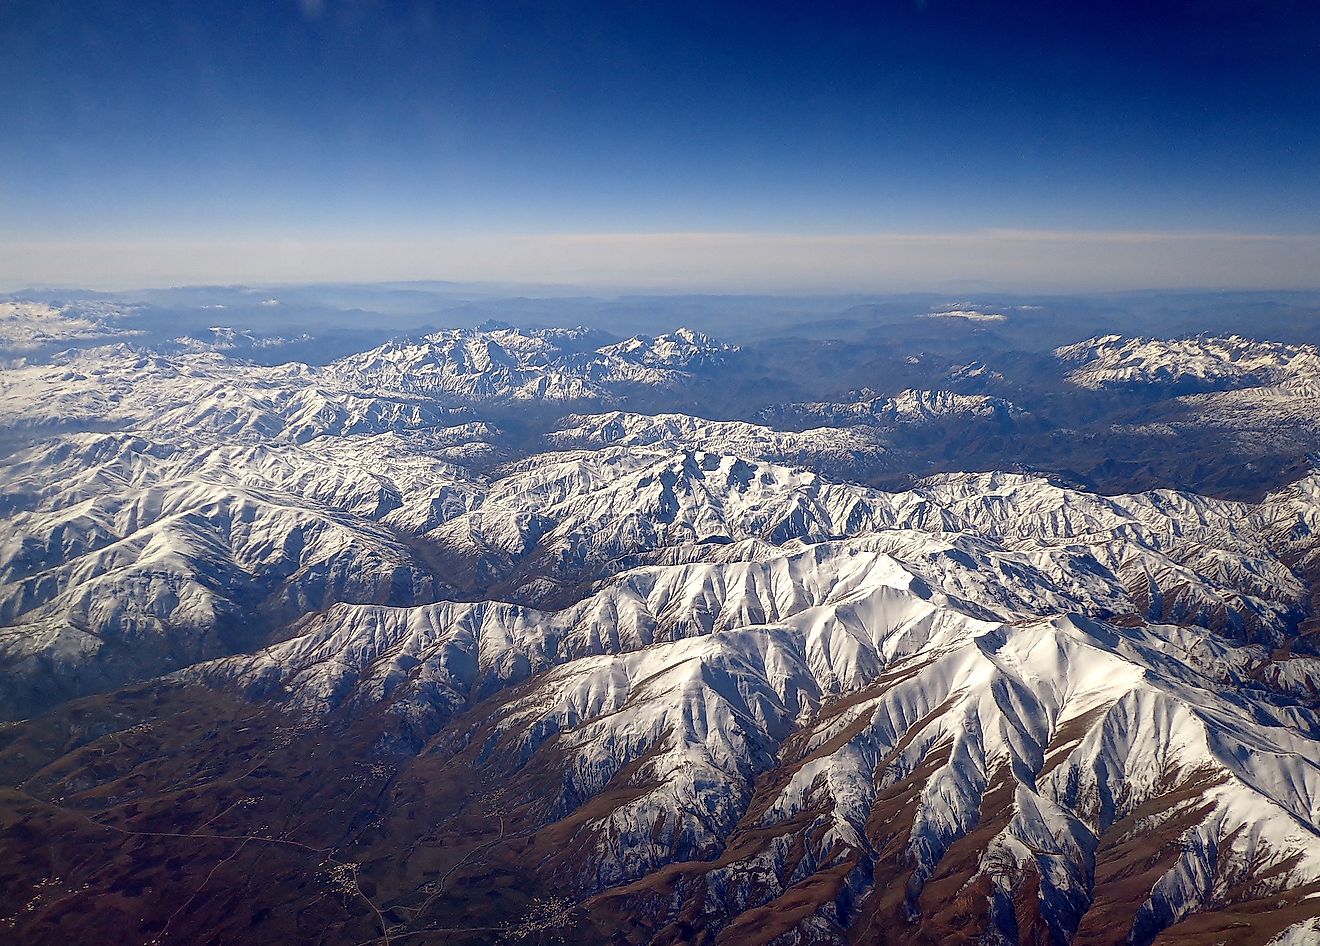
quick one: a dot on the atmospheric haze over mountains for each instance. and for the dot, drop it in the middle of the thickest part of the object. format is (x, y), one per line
(353, 614)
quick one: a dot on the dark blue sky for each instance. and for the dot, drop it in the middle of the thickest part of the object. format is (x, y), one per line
(272, 120)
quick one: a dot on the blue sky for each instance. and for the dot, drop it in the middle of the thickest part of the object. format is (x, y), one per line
(165, 141)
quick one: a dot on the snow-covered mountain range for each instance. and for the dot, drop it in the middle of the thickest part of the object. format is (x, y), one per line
(1253, 393)
(503, 363)
(1199, 362)
(682, 675)
(906, 407)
